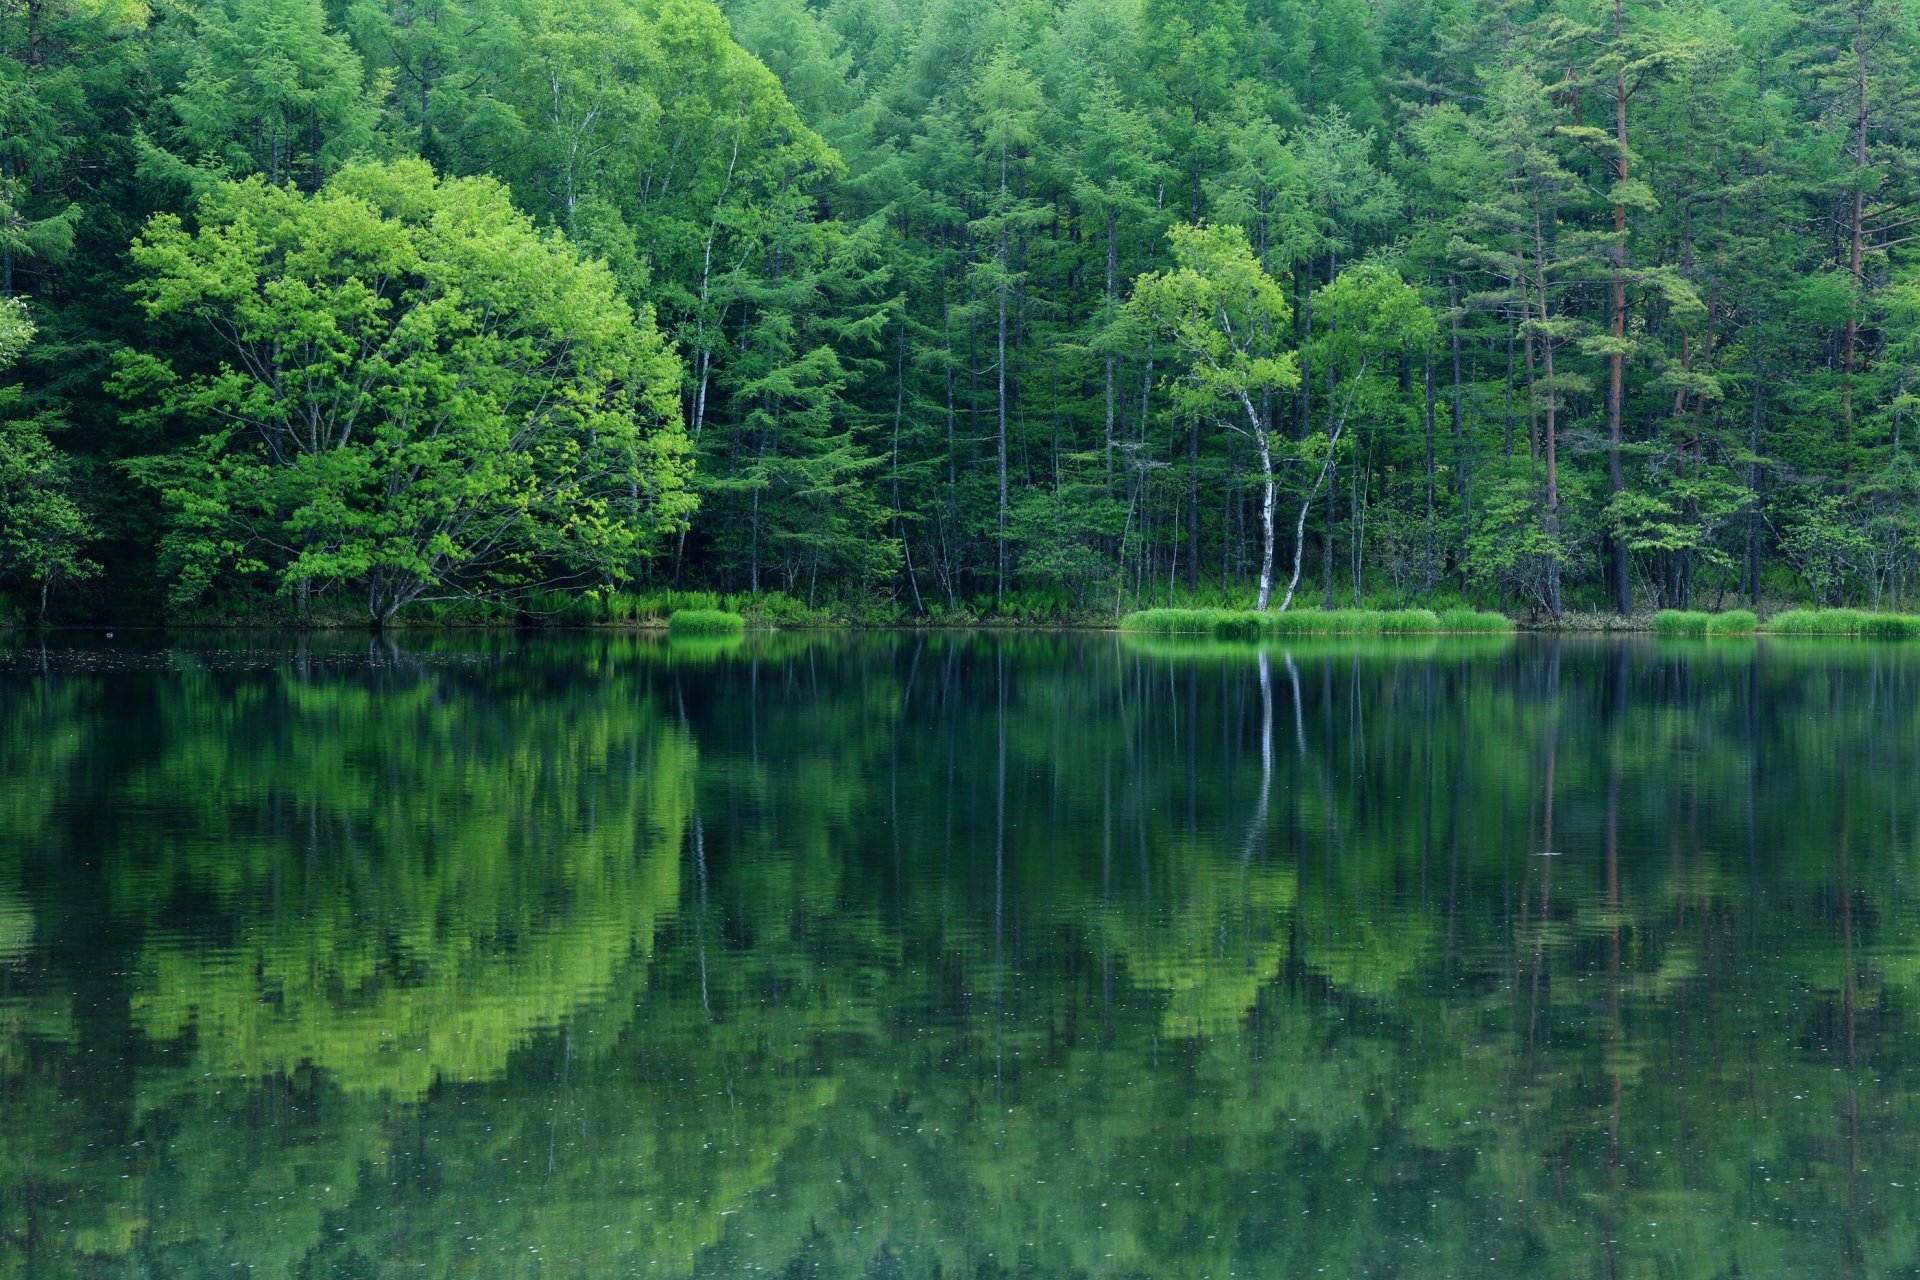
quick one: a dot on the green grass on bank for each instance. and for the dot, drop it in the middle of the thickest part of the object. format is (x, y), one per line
(1843, 622)
(1790, 622)
(705, 622)
(1680, 622)
(1241, 624)
(1692, 622)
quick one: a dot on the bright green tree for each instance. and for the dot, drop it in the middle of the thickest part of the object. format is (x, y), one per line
(42, 529)
(420, 396)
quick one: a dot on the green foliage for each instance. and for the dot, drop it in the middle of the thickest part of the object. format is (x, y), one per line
(1734, 622)
(1074, 309)
(420, 396)
(43, 531)
(712, 622)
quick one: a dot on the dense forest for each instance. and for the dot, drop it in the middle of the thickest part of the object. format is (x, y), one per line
(955, 308)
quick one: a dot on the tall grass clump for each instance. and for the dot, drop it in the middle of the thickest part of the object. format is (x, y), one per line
(1404, 622)
(1680, 622)
(1462, 622)
(1844, 622)
(1734, 622)
(1351, 622)
(1175, 622)
(1889, 626)
(705, 622)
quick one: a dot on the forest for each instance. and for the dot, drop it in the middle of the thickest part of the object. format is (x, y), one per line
(955, 309)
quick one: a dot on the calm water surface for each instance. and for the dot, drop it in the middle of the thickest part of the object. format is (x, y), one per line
(904, 956)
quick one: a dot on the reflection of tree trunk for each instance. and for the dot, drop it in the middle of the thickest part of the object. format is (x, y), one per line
(1613, 1012)
(700, 908)
(1547, 853)
(1258, 823)
(1849, 1006)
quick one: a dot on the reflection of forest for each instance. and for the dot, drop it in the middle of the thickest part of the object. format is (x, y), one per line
(926, 956)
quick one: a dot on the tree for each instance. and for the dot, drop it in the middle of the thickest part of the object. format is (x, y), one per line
(42, 529)
(420, 396)
(269, 89)
(1228, 319)
(1366, 314)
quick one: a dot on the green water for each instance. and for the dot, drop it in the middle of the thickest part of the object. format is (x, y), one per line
(905, 956)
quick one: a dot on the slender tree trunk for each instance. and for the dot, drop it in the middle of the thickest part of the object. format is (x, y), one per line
(1193, 504)
(1460, 468)
(1429, 558)
(1753, 482)
(1000, 577)
(1616, 474)
(1553, 398)
(1856, 239)
(1113, 293)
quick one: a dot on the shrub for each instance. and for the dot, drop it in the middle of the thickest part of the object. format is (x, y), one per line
(705, 622)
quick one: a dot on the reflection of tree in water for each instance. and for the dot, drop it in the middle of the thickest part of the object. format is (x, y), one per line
(948, 957)
(426, 874)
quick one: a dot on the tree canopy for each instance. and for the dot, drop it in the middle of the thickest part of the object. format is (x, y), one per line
(1665, 253)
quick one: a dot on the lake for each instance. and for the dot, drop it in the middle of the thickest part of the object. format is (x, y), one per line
(900, 955)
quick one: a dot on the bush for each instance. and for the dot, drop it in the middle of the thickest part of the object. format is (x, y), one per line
(705, 622)
(1680, 622)
(1734, 622)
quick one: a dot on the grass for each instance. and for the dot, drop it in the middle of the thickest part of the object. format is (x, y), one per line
(1843, 622)
(1239, 624)
(1681, 622)
(705, 622)
(1352, 622)
(1462, 622)
(1176, 622)
(1734, 622)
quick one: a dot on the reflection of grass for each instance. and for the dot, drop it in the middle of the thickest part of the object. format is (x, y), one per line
(1418, 648)
(1843, 622)
(1247, 625)
(699, 648)
(705, 622)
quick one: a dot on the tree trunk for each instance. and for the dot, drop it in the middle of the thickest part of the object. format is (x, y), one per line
(1616, 474)
(1113, 293)
(1428, 566)
(1856, 237)
(1553, 398)
(1000, 575)
(1193, 505)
